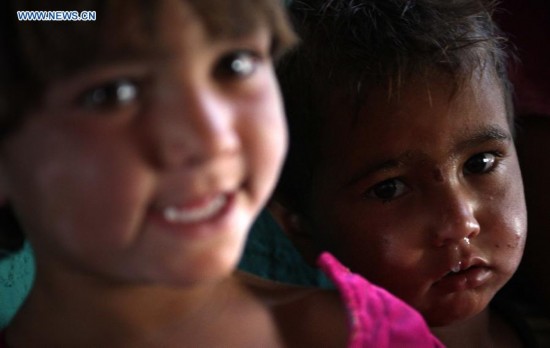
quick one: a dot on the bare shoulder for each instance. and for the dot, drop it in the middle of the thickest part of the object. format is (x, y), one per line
(305, 316)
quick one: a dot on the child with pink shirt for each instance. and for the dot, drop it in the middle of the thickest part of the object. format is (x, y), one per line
(402, 160)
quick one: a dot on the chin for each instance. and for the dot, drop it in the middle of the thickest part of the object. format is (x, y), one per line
(208, 268)
(445, 316)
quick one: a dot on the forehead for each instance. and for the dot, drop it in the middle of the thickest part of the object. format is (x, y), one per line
(423, 114)
(437, 94)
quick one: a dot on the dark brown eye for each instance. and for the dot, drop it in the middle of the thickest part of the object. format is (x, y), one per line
(237, 64)
(480, 163)
(110, 94)
(387, 190)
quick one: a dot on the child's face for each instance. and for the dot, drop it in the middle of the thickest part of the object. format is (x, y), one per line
(151, 170)
(412, 189)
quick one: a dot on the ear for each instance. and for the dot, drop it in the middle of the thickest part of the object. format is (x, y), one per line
(297, 229)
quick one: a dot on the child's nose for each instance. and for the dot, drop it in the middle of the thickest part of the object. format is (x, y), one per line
(196, 127)
(456, 218)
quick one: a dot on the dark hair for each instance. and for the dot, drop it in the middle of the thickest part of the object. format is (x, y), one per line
(34, 53)
(353, 46)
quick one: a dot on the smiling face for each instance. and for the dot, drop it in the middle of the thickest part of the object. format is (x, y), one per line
(423, 195)
(151, 170)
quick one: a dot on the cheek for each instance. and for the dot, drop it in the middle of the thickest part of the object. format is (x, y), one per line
(511, 227)
(86, 185)
(367, 241)
(264, 141)
(508, 218)
(514, 207)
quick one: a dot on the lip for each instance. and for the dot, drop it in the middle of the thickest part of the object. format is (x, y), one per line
(473, 273)
(194, 218)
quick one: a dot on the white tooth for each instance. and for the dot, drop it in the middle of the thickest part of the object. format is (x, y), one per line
(456, 268)
(173, 214)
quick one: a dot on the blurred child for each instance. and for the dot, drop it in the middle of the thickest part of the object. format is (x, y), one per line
(402, 161)
(136, 150)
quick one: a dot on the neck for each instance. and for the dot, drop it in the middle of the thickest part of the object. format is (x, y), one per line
(486, 329)
(91, 310)
(473, 332)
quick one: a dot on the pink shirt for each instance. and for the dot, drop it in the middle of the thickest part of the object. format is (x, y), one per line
(376, 317)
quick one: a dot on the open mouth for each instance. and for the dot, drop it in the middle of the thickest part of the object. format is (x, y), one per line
(458, 271)
(467, 278)
(203, 210)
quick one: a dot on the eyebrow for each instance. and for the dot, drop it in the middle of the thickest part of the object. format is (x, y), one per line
(488, 134)
(383, 165)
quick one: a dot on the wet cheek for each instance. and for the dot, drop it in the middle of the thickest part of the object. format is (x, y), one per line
(516, 210)
(508, 250)
(510, 227)
(519, 225)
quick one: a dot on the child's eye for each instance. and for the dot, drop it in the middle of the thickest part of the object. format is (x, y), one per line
(387, 190)
(480, 163)
(237, 64)
(110, 94)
